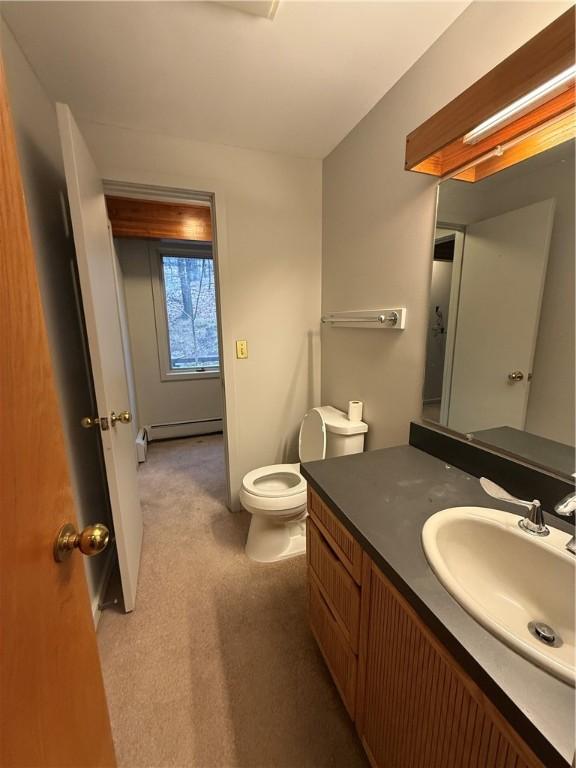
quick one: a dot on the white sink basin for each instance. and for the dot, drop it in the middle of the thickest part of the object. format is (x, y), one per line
(506, 579)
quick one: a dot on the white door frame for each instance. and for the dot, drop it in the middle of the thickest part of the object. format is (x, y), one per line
(148, 190)
(459, 235)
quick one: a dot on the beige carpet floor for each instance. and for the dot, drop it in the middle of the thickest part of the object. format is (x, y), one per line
(216, 667)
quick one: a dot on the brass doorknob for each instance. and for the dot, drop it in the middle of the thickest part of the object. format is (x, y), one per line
(90, 541)
(515, 376)
(124, 417)
(93, 421)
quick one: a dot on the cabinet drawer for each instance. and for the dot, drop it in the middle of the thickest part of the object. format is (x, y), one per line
(335, 583)
(343, 543)
(341, 661)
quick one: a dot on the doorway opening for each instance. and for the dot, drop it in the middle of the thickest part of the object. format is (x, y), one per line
(178, 322)
(439, 308)
(167, 289)
(168, 292)
(167, 282)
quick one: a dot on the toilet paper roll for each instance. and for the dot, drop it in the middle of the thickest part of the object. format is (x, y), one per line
(355, 410)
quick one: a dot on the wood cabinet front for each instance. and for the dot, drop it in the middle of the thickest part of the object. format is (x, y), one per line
(341, 661)
(414, 706)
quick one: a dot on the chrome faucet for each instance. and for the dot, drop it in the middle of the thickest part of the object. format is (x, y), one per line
(533, 522)
(567, 508)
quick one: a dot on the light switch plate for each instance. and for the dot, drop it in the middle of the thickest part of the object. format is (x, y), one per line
(241, 349)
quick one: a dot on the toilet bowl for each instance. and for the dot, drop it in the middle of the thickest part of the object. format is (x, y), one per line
(275, 495)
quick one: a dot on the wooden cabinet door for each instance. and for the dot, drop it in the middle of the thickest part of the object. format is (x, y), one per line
(338, 588)
(415, 706)
(341, 661)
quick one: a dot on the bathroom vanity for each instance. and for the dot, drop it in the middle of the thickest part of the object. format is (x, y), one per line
(428, 685)
(424, 682)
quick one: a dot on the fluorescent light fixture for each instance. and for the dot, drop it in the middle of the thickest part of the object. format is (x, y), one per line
(528, 102)
(501, 149)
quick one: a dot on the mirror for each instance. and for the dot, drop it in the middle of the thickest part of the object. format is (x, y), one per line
(500, 360)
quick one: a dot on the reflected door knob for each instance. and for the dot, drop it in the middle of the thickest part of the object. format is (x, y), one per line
(515, 376)
(124, 417)
(90, 541)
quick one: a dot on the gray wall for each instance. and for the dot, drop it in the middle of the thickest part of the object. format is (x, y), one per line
(379, 219)
(551, 406)
(157, 401)
(43, 175)
(268, 210)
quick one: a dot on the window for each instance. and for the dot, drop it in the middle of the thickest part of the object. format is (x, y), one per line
(189, 320)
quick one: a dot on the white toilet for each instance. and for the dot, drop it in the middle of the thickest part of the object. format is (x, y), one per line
(276, 495)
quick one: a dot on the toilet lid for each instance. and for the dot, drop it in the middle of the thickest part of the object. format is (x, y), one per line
(312, 442)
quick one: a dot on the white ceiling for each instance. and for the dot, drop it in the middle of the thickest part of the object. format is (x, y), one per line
(297, 84)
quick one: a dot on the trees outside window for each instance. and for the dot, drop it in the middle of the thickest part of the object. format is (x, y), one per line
(190, 297)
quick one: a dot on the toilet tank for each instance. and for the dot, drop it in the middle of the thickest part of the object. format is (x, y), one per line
(343, 436)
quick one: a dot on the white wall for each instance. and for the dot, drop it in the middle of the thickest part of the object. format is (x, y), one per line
(551, 404)
(269, 249)
(160, 401)
(36, 130)
(379, 219)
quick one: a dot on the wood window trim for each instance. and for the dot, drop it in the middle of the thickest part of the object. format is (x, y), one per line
(436, 146)
(154, 219)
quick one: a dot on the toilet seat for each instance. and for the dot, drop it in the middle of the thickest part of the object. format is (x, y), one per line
(275, 481)
(282, 507)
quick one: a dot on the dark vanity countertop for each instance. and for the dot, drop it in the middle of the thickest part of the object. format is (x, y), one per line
(384, 497)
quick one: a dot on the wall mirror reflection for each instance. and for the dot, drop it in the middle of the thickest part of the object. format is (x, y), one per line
(500, 363)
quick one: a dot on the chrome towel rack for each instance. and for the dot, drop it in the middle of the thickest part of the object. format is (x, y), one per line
(369, 318)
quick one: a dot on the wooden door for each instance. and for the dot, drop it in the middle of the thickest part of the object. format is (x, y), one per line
(52, 704)
(98, 284)
(501, 286)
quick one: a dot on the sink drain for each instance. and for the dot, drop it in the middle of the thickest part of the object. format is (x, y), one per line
(545, 633)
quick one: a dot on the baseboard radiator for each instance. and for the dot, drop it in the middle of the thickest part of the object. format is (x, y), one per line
(187, 428)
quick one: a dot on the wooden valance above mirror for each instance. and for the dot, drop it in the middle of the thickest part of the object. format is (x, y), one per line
(438, 146)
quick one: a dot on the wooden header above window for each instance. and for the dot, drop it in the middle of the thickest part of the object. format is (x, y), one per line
(131, 217)
(436, 147)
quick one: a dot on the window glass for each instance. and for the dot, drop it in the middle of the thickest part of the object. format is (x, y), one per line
(190, 298)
